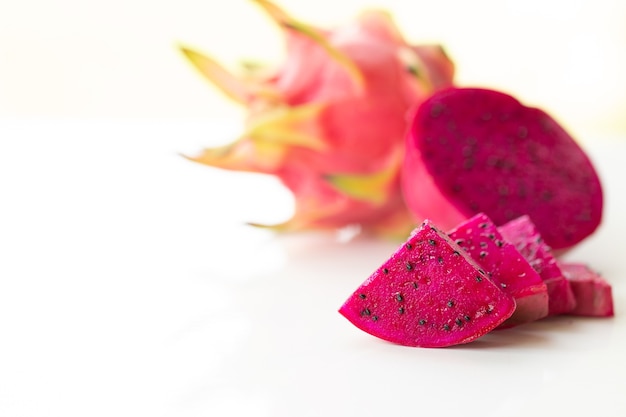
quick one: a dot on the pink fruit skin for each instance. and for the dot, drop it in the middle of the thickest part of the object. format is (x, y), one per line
(335, 108)
(594, 296)
(429, 293)
(473, 150)
(506, 267)
(522, 233)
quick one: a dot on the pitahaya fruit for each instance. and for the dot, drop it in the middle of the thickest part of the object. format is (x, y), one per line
(503, 263)
(429, 293)
(474, 150)
(593, 293)
(523, 234)
(329, 121)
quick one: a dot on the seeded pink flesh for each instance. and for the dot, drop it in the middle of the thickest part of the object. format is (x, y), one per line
(476, 150)
(523, 234)
(503, 263)
(593, 293)
(429, 294)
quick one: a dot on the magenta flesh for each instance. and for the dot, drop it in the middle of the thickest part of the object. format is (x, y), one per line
(479, 237)
(473, 150)
(523, 234)
(429, 293)
(594, 296)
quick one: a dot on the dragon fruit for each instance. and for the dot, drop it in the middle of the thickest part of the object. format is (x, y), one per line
(523, 234)
(475, 150)
(503, 263)
(330, 121)
(429, 293)
(593, 293)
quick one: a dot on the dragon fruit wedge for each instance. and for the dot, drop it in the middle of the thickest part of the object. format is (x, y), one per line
(474, 150)
(593, 293)
(523, 234)
(505, 266)
(429, 293)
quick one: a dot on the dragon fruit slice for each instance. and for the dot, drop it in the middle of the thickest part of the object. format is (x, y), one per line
(429, 293)
(523, 234)
(593, 293)
(475, 150)
(479, 237)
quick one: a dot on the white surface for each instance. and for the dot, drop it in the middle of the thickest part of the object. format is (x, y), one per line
(130, 287)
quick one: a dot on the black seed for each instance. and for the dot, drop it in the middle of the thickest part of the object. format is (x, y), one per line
(422, 322)
(375, 318)
(401, 310)
(489, 308)
(467, 318)
(482, 271)
(399, 297)
(483, 244)
(409, 246)
(522, 132)
(362, 296)
(468, 163)
(459, 322)
(385, 271)
(366, 312)
(440, 260)
(414, 285)
(436, 110)
(459, 241)
(482, 254)
(478, 278)
(432, 242)
(483, 225)
(456, 253)
(491, 236)
(446, 327)
(451, 303)
(409, 266)
(499, 243)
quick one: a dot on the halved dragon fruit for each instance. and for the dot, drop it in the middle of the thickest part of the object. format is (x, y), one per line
(523, 234)
(474, 150)
(429, 293)
(593, 293)
(503, 263)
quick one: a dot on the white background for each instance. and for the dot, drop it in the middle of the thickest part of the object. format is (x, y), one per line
(119, 58)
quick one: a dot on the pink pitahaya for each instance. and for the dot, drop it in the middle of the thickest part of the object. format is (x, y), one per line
(474, 150)
(429, 293)
(594, 295)
(523, 234)
(330, 121)
(480, 238)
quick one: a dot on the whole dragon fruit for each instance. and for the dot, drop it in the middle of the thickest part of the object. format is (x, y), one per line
(330, 121)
